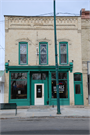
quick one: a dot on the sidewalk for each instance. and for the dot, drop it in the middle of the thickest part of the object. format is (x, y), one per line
(47, 111)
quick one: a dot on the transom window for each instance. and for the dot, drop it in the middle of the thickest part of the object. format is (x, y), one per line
(43, 53)
(23, 51)
(63, 49)
(77, 77)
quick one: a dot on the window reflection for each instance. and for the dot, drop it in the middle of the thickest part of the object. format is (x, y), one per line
(77, 77)
(39, 76)
(18, 89)
(18, 75)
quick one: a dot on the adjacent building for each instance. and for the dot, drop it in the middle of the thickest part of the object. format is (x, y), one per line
(2, 86)
(30, 77)
(85, 34)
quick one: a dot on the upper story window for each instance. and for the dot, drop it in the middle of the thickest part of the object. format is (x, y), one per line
(23, 53)
(63, 49)
(43, 53)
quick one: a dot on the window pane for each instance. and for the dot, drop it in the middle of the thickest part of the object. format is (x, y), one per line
(43, 59)
(77, 77)
(23, 59)
(62, 75)
(53, 75)
(43, 49)
(63, 92)
(39, 91)
(43, 77)
(18, 75)
(18, 89)
(36, 76)
(23, 53)
(63, 49)
(63, 58)
(77, 88)
(23, 48)
(39, 76)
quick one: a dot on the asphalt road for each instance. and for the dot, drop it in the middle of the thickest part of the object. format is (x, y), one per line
(51, 125)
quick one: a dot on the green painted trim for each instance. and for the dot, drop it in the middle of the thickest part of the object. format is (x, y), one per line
(81, 84)
(38, 68)
(49, 88)
(62, 102)
(67, 88)
(45, 89)
(20, 102)
(82, 89)
(60, 53)
(39, 52)
(19, 53)
(6, 66)
(9, 86)
(28, 88)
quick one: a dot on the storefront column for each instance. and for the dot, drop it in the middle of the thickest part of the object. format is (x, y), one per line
(71, 88)
(49, 88)
(28, 89)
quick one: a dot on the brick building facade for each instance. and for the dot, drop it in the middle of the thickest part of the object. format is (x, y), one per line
(30, 61)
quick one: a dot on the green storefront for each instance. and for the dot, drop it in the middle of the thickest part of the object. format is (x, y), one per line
(36, 85)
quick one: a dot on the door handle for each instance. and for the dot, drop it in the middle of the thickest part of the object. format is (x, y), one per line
(81, 94)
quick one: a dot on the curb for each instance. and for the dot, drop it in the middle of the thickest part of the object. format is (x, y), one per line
(41, 117)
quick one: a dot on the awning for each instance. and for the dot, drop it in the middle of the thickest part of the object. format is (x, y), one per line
(2, 76)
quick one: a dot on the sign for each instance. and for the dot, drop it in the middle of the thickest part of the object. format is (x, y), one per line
(61, 88)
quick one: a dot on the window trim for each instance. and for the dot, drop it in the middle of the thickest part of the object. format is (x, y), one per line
(17, 100)
(39, 52)
(60, 53)
(27, 53)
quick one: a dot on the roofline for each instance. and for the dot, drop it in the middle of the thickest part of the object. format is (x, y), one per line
(37, 16)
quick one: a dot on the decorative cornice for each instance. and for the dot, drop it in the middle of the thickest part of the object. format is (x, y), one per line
(17, 22)
(43, 40)
(64, 40)
(23, 40)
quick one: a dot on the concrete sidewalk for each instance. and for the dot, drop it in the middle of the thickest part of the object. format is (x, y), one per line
(46, 111)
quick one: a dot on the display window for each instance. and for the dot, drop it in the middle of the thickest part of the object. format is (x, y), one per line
(63, 89)
(18, 85)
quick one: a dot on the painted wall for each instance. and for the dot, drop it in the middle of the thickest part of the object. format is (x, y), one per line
(36, 29)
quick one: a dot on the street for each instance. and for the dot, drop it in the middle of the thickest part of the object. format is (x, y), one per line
(45, 125)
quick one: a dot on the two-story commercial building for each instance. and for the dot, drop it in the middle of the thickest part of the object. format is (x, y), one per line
(30, 77)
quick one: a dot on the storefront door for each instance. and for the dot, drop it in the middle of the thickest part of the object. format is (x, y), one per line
(78, 94)
(39, 89)
(39, 94)
(78, 88)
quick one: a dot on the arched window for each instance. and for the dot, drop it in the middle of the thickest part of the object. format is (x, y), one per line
(63, 52)
(23, 53)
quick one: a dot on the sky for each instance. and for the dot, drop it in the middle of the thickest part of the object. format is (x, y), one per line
(35, 8)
